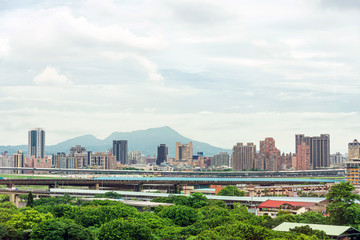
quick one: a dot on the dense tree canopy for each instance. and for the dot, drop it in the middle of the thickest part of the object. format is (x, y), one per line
(231, 191)
(342, 207)
(124, 229)
(60, 229)
(191, 217)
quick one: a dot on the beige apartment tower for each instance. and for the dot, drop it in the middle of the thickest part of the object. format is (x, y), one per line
(243, 156)
(354, 150)
(184, 151)
(303, 157)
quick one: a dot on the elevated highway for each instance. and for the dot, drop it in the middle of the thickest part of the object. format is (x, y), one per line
(171, 183)
(309, 173)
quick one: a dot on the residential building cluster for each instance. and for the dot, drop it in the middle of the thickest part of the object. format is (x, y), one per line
(310, 153)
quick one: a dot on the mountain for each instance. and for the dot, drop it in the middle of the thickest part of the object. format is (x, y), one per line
(144, 140)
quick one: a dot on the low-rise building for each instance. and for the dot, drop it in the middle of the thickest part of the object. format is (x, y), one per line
(334, 232)
(272, 207)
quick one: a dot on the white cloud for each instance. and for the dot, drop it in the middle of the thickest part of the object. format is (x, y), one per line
(51, 76)
(262, 68)
(4, 47)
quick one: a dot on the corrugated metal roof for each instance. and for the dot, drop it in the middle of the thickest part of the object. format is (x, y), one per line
(276, 204)
(191, 179)
(330, 230)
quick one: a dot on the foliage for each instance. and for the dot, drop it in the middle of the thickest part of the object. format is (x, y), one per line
(57, 210)
(4, 198)
(231, 191)
(196, 200)
(180, 215)
(321, 235)
(7, 209)
(342, 207)
(236, 231)
(28, 218)
(30, 200)
(9, 233)
(55, 200)
(55, 229)
(217, 203)
(114, 195)
(192, 217)
(124, 229)
(98, 215)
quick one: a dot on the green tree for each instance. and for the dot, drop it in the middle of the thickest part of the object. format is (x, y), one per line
(28, 218)
(95, 216)
(180, 215)
(321, 235)
(124, 229)
(197, 200)
(311, 217)
(58, 210)
(342, 207)
(237, 231)
(9, 233)
(231, 191)
(114, 195)
(30, 200)
(55, 229)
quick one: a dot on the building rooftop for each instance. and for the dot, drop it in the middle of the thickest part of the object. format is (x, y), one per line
(276, 204)
(330, 230)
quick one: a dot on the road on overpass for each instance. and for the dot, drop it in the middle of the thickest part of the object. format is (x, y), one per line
(140, 182)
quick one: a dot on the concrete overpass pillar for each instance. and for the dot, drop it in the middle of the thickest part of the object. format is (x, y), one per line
(17, 200)
(95, 187)
(12, 197)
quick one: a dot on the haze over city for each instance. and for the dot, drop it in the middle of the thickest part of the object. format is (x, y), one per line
(216, 72)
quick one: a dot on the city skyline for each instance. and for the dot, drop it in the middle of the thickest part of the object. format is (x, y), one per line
(217, 72)
(256, 142)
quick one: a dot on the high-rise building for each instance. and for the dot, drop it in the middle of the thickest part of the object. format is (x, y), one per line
(220, 159)
(36, 143)
(162, 154)
(354, 150)
(18, 161)
(136, 157)
(337, 158)
(303, 156)
(269, 156)
(120, 151)
(184, 151)
(319, 149)
(101, 160)
(243, 156)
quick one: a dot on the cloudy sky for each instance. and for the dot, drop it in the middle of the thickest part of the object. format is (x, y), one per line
(216, 71)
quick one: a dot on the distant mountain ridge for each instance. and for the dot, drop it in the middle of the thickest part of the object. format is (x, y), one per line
(144, 140)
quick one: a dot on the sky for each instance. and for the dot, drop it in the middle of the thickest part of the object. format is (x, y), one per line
(220, 72)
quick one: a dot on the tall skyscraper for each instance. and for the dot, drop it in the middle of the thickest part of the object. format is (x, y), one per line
(18, 161)
(354, 150)
(120, 151)
(183, 151)
(162, 154)
(319, 149)
(36, 143)
(243, 156)
(269, 155)
(303, 156)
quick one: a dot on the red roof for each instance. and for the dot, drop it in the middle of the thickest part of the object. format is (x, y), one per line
(277, 204)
